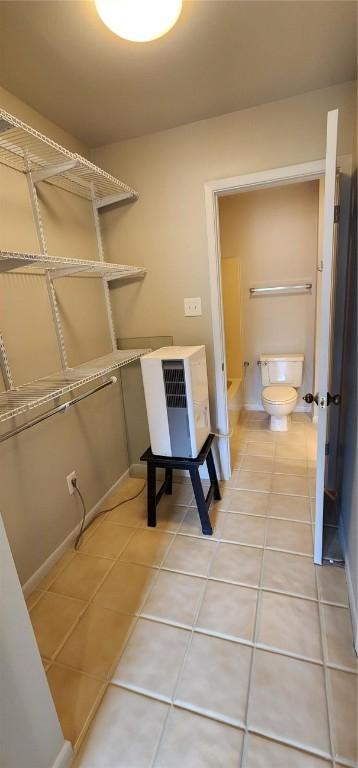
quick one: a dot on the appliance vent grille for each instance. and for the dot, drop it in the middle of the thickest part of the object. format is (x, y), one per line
(174, 383)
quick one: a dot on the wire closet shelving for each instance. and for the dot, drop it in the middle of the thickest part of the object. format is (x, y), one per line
(42, 160)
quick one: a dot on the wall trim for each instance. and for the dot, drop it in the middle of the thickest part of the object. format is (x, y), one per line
(351, 599)
(64, 757)
(214, 189)
(43, 570)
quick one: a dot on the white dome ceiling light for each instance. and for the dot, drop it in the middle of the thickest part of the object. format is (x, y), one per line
(139, 20)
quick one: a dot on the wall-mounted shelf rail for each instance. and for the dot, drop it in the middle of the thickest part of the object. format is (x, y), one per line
(41, 391)
(26, 149)
(67, 267)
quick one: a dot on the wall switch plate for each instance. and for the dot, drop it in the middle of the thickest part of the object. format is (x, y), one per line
(69, 478)
(192, 307)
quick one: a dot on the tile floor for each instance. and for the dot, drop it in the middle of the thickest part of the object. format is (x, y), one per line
(164, 648)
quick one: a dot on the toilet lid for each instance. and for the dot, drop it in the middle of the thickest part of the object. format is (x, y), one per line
(279, 394)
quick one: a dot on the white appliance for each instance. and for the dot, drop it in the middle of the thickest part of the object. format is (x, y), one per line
(176, 395)
(281, 376)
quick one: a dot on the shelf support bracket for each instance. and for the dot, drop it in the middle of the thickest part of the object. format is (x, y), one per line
(4, 365)
(102, 202)
(43, 250)
(107, 297)
(53, 170)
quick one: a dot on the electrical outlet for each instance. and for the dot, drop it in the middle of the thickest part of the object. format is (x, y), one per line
(69, 478)
(192, 307)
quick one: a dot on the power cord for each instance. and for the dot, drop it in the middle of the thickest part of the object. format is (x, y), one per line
(83, 527)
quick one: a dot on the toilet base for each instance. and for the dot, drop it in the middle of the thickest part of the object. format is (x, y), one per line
(279, 423)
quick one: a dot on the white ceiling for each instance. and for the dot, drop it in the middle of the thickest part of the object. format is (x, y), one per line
(223, 55)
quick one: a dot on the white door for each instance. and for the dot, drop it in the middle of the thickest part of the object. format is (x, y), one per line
(322, 398)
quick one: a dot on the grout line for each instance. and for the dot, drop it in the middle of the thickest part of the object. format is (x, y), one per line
(187, 650)
(327, 685)
(252, 661)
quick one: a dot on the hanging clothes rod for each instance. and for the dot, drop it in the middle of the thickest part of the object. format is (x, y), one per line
(54, 411)
(281, 289)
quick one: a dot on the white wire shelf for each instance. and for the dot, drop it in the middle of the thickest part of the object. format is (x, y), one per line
(60, 266)
(24, 148)
(37, 393)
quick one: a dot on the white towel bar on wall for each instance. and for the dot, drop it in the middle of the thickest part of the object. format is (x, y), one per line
(281, 289)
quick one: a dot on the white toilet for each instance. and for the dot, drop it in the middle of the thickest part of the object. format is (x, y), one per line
(281, 375)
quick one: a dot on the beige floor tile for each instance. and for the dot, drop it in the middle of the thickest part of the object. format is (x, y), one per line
(131, 513)
(287, 535)
(289, 573)
(152, 658)
(174, 598)
(130, 487)
(97, 641)
(236, 458)
(52, 617)
(254, 448)
(182, 495)
(33, 598)
(108, 540)
(289, 507)
(228, 609)
(170, 518)
(251, 502)
(257, 463)
(260, 436)
(253, 481)
(191, 523)
(190, 555)
(344, 695)
(56, 569)
(196, 742)
(298, 486)
(215, 677)
(339, 634)
(290, 467)
(263, 753)
(76, 697)
(112, 742)
(290, 624)
(311, 468)
(233, 562)
(312, 488)
(291, 450)
(82, 576)
(332, 584)
(126, 587)
(288, 700)
(245, 529)
(147, 547)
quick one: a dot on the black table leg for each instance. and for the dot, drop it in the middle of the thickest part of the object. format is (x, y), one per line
(213, 476)
(200, 501)
(151, 495)
(168, 481)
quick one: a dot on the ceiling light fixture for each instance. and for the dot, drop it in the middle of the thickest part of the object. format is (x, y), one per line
(139, 20)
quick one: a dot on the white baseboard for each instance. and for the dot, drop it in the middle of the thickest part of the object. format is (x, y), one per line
(41, 572)
(259, 407)
(351, 595)
(64, 757)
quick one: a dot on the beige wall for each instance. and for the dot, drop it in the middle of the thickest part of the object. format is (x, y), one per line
(166, 229)
(37, 510)
(273, 232)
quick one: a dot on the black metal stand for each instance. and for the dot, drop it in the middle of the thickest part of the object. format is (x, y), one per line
(171, 462)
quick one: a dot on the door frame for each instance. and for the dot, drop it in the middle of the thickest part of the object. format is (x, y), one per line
(309, 171)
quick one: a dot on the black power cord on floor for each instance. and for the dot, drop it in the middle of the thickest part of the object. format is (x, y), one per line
(84, 527)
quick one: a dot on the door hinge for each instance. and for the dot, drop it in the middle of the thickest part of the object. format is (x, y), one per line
(337, 213)
(326, 449)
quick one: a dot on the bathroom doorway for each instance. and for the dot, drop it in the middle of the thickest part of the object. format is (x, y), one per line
(321, 172)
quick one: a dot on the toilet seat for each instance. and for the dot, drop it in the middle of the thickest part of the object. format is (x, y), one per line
(279, 394)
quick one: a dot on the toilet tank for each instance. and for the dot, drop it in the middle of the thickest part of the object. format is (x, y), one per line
(282, 369)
